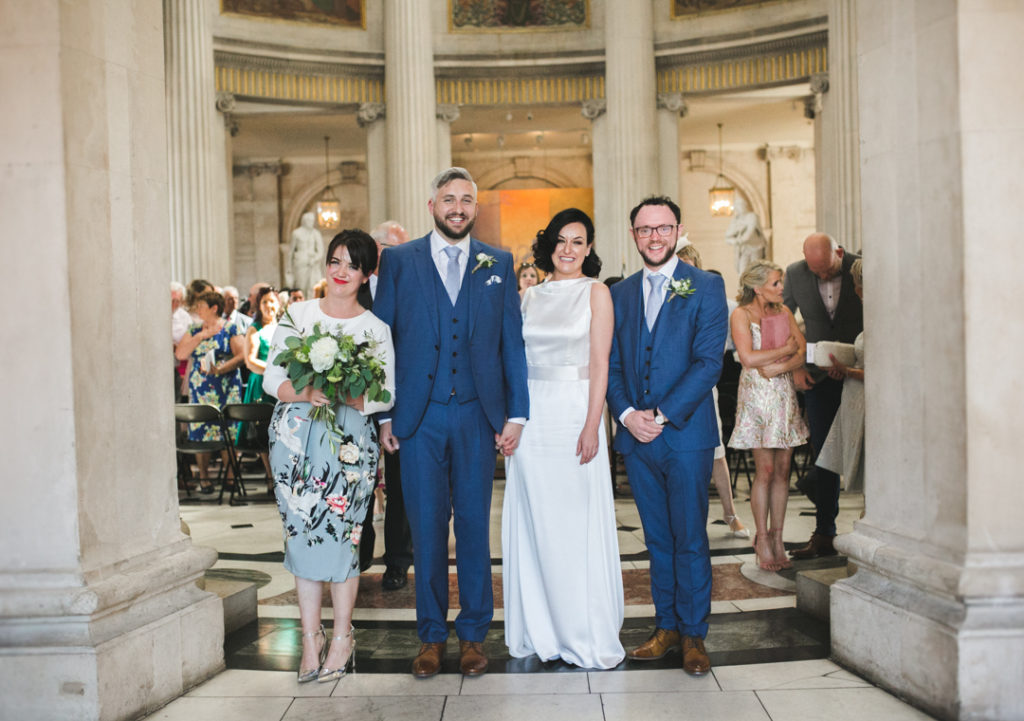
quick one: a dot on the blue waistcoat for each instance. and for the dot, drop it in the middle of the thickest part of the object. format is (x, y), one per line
(454, 377)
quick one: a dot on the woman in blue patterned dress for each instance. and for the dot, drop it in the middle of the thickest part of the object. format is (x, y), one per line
(219, 382)
(323, 491)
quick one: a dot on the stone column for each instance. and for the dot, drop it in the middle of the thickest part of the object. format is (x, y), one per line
(632, 121)
(411, 134)
(371, 117)
(609, 227)
(671, 107)
(836, 131)
(258, 223)
(447, 113)
(100, 614)
(223, 176)
(935, 611)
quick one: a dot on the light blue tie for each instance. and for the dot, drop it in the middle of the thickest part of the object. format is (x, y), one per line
(452, 281)
(654, 299)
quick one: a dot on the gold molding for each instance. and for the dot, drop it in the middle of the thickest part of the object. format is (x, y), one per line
(519, 91)
(788, 66)
(301, 87)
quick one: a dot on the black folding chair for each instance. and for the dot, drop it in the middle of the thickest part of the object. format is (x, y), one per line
(205, 413)
(253, 438)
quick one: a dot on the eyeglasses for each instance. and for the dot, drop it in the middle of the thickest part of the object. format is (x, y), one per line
(646, 231)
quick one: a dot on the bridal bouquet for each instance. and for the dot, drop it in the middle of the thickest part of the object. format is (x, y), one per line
(336, 364)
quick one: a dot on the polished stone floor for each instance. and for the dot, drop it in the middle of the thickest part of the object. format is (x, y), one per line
(770, 660)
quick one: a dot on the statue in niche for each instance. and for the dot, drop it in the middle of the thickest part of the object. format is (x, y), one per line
(745, 235)
(303, 265)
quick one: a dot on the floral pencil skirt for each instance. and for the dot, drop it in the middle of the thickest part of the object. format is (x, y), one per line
(322, 492)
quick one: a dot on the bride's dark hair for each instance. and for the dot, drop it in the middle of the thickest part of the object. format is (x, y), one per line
(547, 240)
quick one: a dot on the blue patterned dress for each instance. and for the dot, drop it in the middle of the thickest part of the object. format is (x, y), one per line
(215, 390)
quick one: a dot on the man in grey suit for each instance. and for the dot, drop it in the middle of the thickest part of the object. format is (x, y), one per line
(821, 286)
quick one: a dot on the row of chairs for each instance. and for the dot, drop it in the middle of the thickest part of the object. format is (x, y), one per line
(249, 444)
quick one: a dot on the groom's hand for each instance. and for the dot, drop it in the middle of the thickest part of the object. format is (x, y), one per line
(387, 438)
(508, 440)
(642, 426)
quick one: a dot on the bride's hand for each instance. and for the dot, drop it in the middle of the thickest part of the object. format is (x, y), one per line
(586, 446)
(507, 442)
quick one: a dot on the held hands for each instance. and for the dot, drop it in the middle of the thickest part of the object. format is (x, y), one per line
(356, 403)
(586, 446)
(802, 379)
(642, 426)
(507, 441)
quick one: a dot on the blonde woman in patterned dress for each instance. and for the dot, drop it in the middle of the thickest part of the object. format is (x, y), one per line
(768, 420)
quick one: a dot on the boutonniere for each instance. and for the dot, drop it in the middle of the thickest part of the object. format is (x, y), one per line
(680, 287)
(483, 261)
(493, 280)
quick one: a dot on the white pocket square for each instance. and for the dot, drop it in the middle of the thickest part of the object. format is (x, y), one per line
(493, 279)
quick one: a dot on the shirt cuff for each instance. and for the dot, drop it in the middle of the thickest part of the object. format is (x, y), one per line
(520, 421)
(622, 416)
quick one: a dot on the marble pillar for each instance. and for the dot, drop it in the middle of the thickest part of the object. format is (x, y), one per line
(100, 613)
(447, 113)
(632, 127)
(609, 227)
(223, 182)
(671, 107)
(411, 130)
(258, 222)
(836, 132)
(371, 118)
(935, 611)
(199, 248)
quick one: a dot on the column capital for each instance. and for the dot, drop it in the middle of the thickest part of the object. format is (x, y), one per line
(594, 108)
(819, 83)
(255, 170)
(674, 102)
(369, 113)
(448, 112)
(225, 102)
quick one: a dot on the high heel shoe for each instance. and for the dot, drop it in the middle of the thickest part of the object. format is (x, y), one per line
(737, 527)
(311, 674)
(327, 674)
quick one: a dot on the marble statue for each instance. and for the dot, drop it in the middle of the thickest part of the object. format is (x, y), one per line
(745, 234)
(304, 263)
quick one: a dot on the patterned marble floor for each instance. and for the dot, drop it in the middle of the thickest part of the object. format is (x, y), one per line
(770, 660)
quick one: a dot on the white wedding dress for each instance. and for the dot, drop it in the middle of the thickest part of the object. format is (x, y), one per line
(560, 552)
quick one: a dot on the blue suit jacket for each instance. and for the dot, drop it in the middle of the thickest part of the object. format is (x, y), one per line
(407, 301)
(686, 362)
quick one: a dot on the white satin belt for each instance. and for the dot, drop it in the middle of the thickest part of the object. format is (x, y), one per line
(558, 373)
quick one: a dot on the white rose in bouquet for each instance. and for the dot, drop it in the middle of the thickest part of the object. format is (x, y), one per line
(322, 353)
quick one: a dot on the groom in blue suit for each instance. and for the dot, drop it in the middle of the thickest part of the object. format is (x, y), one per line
(460, 395)
(670, 327)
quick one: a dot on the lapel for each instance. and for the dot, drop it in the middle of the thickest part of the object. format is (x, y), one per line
(815, 292)
(671, 313)
(632, 317)
(426, 272)
(474, 282)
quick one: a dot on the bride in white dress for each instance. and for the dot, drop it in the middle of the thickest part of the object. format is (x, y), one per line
(560, 552)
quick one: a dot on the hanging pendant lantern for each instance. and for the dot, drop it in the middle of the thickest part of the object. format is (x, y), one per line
(721, 196)
(328, 208)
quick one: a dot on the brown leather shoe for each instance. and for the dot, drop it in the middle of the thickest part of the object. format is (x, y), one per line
(473, 661)
(695, 658)
(661, 642)
(818, 546)
(428, 661)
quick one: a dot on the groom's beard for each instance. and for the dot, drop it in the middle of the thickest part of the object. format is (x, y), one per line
(448, 231)
(657, 262)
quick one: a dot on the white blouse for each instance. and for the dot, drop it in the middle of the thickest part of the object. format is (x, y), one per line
(304, 315)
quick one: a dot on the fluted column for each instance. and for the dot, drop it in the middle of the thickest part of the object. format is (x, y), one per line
(608, 226)
(101, 616)
(836, 131)
(935, 611)
(411, 130)
(196, 248)
(447, 114)
(671, 107)
(258, 222)
(371, 117)
(632, 120)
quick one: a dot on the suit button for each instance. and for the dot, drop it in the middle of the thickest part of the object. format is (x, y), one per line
(455, 320)
(454, 354)
(647, 377)
(648, 349)
(430, 377)
(455, 337)
(647, 392)
(437, 347)
(455, 370)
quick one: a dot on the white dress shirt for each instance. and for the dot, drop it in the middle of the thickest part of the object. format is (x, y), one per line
(437, 246)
